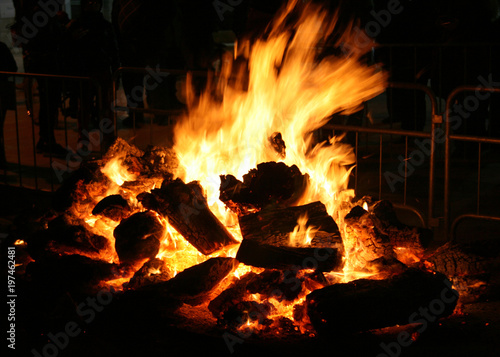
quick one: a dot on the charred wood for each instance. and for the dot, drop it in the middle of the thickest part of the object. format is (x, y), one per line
(274, 225)
(270, 184)
(195, 284)
(138, 237)
(288, 258)
(187, 211)
(152, 272)
(66, 234)
(474, 268)
(379, 234)
(362, 305)
(71, 273)
(114, 207)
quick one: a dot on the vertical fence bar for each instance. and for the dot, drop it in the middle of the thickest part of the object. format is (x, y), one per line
(478, 179)
(19, 166)
(380, 169)
(356, 163)
(406, 170)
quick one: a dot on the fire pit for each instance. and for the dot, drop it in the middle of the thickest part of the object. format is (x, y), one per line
(243, 237)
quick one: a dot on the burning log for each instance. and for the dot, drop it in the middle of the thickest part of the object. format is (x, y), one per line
(235, 293)
(379, 234)
(288, 258)
(152, 272)
(66, 234)
(273, 226)
(187, 211)
(266, 239)
(74, 188)
(114, 207)
(194, 285)
(400, 235)
(138, 237)
(270, 183)
(472, 267)
(414, 296)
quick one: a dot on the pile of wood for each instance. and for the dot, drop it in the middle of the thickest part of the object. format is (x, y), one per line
(265, 203)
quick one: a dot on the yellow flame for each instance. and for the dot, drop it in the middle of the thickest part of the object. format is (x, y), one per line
(302, 234)
(116, 172)
(289, 91)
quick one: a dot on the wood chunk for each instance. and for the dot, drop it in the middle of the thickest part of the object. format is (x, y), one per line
(152, 272)
(235, 293)
(68, 193)
(66, 234)
(281, 285)
(474, 268)
(362, 305)
(270, 183)
(273, 226)
(70, 272)
(370, 243)
(138, 237)
(400, 235)
(159, 161)
(247, 311)
(288, 258)
(114, 207)
(193, 285)
(187, 211)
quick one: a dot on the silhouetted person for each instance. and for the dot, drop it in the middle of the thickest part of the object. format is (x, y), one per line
(92, 43)
(7, 94)
(41, 55)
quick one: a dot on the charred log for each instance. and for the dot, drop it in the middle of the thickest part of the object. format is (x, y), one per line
(270, 183)
(472, 267)
(401, 235)
(66, 235)
(364, 304)
(71, 273)
(281, 285)
(195, 284)
(247, 312)
(70, 190)
(288, 258)
(138, 237)
(114, 207)
(273, 226)
(379, 234)
(187, 211)
(152, 272)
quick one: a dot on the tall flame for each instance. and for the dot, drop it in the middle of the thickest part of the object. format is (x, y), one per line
(289, 91)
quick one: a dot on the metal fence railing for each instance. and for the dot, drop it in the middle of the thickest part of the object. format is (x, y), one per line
(39, 122)
(416, 169)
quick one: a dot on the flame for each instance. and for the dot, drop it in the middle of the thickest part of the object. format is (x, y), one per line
(290, 88)
(302, 235)
(290, 92)
(116, 172)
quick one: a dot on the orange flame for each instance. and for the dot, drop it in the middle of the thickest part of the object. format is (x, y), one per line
(290, 92)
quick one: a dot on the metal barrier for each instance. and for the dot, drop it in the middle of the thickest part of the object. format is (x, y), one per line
(27, 167)
(43, 176)
(436, 119)
(450, 137)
